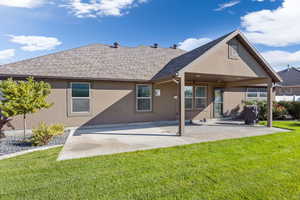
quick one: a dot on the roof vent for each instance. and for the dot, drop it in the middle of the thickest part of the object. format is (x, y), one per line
(116, 45)
(174, 46)
(155, 45)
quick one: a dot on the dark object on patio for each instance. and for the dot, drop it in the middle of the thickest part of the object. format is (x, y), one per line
(4, 121)
(251, 114)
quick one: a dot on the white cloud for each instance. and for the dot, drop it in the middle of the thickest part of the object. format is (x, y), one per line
(22, 3)
(227, 5)
(35, 43)
(95, 8)
(192, 43)
(6, 54)
(279, 59)
(279, 27)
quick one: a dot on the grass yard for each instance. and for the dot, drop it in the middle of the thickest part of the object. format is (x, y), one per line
(263, 167)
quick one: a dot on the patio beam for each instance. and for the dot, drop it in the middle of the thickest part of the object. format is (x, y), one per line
(270, 103)
(181, 104)
(247, 82)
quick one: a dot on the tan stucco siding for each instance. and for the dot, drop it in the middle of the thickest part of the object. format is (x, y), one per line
(115, 102)
(233, 101)
(217, 61)
(111, 102)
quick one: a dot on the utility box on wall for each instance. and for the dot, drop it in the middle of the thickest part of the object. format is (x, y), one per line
(157, 92)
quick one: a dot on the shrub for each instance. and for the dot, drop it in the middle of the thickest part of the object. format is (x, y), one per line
(293, 108)
(58, 129)
(279, 110)
(43, 133)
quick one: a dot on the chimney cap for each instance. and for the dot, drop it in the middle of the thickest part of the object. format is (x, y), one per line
(155, 45)
(116, 45)
(174, 46)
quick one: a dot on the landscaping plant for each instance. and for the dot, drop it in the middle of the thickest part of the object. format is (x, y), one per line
(43, 133)
(293, 108)
(279, 110)
(23, 97)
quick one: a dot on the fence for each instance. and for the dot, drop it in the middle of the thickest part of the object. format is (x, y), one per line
(287, 98)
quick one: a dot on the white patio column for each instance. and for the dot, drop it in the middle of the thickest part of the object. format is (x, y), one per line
(181, 104)
(270, 103)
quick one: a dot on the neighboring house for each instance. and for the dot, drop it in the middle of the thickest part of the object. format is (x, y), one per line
(100, 84)
(289, 88)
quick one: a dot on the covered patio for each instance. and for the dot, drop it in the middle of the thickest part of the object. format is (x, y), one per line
(213, 83)
(227, 63)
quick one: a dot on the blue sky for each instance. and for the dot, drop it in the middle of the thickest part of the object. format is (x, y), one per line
(31, 28)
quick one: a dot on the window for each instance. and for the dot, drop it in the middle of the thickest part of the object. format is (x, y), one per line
(143, 98)
(80, 97)
(257, 93)
(200, 97)
(188, 95)
(233, 50)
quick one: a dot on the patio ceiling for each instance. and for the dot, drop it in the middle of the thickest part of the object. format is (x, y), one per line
(220, 78)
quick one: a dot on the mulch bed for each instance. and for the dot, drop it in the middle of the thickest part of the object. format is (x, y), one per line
(14, 142)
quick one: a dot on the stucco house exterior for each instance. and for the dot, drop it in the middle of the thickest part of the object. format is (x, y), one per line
(289, 88)
(102, 84)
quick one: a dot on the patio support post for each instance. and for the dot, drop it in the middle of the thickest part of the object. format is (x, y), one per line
(181, 105)
(270, 103)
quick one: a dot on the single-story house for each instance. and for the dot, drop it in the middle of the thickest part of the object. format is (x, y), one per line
(289, 88)
(102, 84)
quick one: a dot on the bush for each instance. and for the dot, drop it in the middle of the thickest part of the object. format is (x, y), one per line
(58, 129)
(293, 108)
(43, 133)
(279, 110)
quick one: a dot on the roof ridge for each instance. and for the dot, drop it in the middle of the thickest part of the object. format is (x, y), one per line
(74, 48)
(296, 68)
(289, 68)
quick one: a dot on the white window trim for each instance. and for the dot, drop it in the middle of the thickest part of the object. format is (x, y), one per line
(192, 97)
(258, 97)
(89, 98)
(205, 98)
(137, 98)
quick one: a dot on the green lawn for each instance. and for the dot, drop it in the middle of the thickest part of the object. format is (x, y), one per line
(263, 167)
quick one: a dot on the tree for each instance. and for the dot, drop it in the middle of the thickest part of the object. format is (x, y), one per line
(23, 97)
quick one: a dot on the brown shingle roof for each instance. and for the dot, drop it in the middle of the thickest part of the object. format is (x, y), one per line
(103, 62)
(96, 61)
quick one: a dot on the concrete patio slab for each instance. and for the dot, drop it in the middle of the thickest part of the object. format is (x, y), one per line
(111, 140)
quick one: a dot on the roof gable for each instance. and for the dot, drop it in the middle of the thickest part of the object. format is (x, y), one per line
(221, 62)
(185, 62)
(180, 62)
